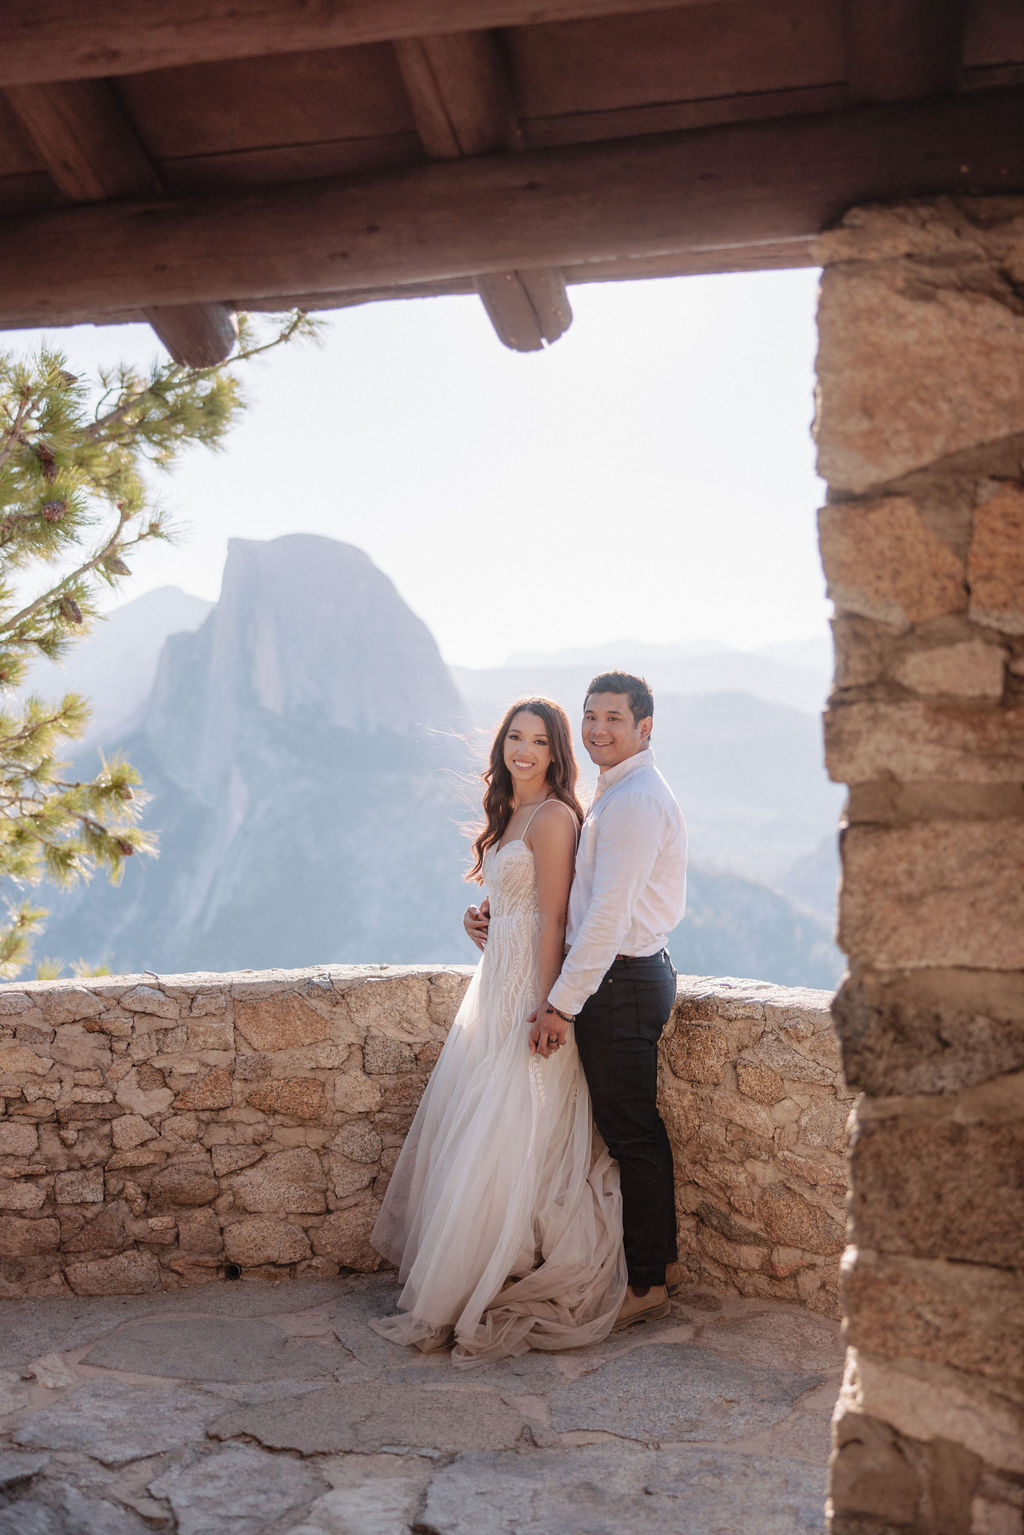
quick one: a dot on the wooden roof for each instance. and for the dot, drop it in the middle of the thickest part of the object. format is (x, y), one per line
(179, 159)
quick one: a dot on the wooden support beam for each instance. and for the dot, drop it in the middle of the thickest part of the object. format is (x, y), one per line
(897, 50)
(459, 95)
(196, 335)
(84, 140)
(462, 106)
(91, 152)
(744, 184)
(527, 309)
(42, 40)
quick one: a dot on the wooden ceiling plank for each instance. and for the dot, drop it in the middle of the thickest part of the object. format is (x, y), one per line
(897, 50)
(744, 184)
(91, 153)
(44, 40)
(461, 103)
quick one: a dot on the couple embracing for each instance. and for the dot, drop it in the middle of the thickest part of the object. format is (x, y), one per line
(533, 1202)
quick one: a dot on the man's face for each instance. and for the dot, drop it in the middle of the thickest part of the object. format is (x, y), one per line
(610, 734)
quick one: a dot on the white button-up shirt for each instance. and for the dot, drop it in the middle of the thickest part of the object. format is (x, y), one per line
(629, 890)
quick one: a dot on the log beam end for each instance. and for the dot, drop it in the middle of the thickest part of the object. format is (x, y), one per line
(529, 309)
(196, 335)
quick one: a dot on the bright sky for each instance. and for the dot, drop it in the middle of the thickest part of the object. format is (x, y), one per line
(650, 476)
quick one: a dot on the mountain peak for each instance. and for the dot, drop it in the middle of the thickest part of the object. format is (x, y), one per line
(306, 629)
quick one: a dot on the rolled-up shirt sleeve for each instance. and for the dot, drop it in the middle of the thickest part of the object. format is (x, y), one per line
(629, 837)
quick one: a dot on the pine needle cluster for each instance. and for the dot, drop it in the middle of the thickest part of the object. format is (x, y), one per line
(76, 499)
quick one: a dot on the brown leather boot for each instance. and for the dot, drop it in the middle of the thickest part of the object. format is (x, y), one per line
(642, 1308)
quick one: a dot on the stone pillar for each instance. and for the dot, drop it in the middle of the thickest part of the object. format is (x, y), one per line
(921, 437)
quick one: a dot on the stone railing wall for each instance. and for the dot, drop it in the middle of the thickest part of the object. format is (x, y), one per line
(756, 1107)
(172, 1131)
(921, 436)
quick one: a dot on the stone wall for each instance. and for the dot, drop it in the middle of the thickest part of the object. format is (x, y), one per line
(756, 1108)
(172, 1131)
(921, 436)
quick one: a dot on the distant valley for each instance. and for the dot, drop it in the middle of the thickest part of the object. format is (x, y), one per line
(314, 764)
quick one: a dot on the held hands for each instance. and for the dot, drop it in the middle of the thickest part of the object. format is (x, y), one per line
(547, 1031)
(476, 920)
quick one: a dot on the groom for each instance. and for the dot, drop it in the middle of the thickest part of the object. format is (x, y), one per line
(617, 984)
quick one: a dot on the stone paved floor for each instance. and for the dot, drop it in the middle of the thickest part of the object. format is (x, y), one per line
(256, 1409)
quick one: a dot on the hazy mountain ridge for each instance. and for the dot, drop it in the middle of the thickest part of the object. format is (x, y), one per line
(797, 675)
(114, 665)
(307, 753)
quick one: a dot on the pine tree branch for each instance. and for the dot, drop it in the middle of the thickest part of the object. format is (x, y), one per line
(102, 425)
(113, 544)
(14, 432)
(30, 730)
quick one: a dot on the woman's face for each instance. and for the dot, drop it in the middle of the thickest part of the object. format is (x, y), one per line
(527, 753)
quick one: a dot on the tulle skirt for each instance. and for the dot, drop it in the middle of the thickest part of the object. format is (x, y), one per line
(503, 1214)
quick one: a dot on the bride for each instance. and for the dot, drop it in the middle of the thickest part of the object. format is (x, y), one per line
(503, 1214)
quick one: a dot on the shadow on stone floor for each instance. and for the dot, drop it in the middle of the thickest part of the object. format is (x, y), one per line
(259, 1409)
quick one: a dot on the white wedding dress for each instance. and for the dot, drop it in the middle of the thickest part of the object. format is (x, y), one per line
(503, 1214)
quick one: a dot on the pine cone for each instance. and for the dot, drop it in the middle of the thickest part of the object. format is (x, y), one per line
(54, 511)
(118, 567)
(48, 459)
(125, 847)
(69, 607)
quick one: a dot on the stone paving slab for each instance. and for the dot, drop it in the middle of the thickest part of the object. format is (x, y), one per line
(215, 1349)
(260, 1409)
(606, 1490)
(60, 1507)
(238, 1488)
(16, 1466)
(115, 1422)
(669, 1393)
(376, 1416)
(777, 1336)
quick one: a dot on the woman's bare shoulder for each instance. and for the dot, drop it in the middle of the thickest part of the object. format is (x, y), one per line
(554, 823)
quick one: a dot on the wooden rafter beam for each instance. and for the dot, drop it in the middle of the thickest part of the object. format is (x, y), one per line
(462, 106)
(91, 153)
(43, 40)
(527, 309)
(83, 139)
(900, 49)
(459, 94)
(745, 184)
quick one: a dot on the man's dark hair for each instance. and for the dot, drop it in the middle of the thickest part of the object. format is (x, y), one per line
(641, 699)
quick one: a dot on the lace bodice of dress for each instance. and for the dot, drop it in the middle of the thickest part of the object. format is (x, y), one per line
(508, 974)
(511, 881)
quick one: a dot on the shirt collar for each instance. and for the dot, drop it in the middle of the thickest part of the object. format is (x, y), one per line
(609, 777)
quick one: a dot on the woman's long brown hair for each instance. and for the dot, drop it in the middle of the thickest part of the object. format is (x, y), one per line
(499, 795)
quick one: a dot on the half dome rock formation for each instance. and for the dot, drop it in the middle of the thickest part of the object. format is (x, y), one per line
(308, 633)
(306, 757)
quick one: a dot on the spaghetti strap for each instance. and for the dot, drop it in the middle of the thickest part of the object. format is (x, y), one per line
(552, 801)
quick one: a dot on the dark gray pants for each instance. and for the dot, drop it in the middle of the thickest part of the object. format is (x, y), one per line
(617, 1033)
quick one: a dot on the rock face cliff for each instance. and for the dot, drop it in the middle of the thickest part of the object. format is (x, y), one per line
(305, 757)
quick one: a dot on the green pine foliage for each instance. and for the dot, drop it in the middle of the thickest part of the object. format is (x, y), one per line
(75, 501)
